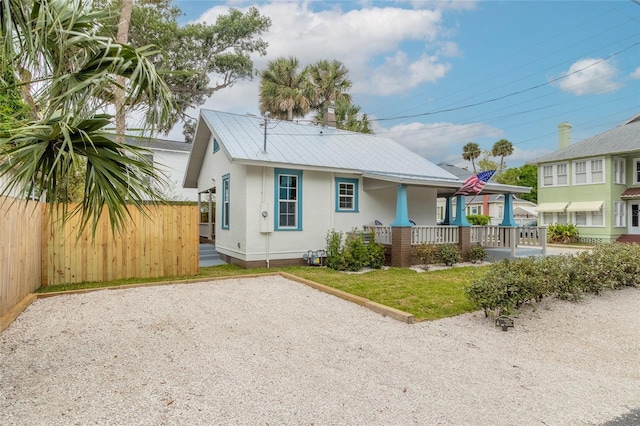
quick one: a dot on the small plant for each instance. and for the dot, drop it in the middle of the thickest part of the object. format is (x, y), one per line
(449, 254)
(354, 253)
(476, 253)
(428, 254)
(562, 233)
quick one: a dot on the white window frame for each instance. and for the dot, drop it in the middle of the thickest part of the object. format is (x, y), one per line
(636, 170)
(619, 214)
(589, 170)
(619, 170)
(226, 202)
(588, 217)
(554, 171)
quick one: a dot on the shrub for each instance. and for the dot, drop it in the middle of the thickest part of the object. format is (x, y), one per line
(511, 283)
(476, 253)
(478, 219)
(427, 254)
(449, 254)
(562, 233)
(354, 254)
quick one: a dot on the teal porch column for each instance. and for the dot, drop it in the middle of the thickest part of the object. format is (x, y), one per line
(507, 218)
(461, 215)
(402, 213)
(448, 210)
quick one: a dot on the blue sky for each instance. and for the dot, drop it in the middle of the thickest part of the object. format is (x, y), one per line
(436, 75)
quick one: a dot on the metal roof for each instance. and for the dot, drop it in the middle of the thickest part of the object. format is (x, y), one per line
(306, 146)
(619, 140)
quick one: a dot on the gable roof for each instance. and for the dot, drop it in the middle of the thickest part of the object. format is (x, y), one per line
(619, 140)
(242, 137)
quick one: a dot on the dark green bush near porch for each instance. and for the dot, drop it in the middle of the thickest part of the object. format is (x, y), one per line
(476, 253)
(428, 254)
(354, 253)
(510, 284)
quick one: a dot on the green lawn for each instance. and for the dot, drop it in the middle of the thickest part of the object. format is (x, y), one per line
(428, 295)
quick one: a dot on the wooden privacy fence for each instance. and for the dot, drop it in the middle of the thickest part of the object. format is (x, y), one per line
(165, 242)
(20, 248)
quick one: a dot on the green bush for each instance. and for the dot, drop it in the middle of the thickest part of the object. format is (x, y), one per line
(476, 253)
(449, 254)
(478, 219)
(511, 283)
(428, 254)
(354, 254)
(562, 233)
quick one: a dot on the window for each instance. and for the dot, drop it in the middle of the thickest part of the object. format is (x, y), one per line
(288, 194)
(636, 170)
(216, 146)
(562, 174)
(595, 218)
(597, 170)
(226, 192)
(581, 172)
(474, 210)
(555, 174)
(588, 171)
(440, 213)
(547, 218)
(619, 171)
(619, 213)
(346, 195)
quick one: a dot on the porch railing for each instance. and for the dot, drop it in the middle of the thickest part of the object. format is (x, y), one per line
(486, 236)
(440, 234)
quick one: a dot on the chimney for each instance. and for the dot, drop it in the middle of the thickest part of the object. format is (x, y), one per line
(564, 135)
(330, 116)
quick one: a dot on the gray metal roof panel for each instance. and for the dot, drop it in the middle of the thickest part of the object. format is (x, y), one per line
(619, 140)
(308, 145)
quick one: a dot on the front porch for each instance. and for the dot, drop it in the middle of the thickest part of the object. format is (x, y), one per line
(500, 241)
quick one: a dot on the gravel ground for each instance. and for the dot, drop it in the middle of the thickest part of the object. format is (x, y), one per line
(274, 352)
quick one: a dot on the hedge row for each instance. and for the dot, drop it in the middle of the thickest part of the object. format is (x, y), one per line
(510, 284)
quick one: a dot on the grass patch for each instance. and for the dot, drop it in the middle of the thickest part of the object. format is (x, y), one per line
(428, 295)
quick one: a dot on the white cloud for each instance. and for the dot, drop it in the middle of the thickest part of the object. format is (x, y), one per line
(358, 38)
(636, 74)
(435, 141)
(589, 76)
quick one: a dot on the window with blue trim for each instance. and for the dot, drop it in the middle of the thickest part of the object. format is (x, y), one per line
(288, 200)
(225, 201)
(346, 195)
(216, 146)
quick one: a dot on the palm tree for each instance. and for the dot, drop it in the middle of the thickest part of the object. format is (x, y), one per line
(470, 152)
(502, 148)
(74, 74)
(348, 117)
(285, 90)
(330, 83)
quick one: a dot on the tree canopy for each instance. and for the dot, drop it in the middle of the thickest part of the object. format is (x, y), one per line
(68, 73)
(196, 60)
(526, 175)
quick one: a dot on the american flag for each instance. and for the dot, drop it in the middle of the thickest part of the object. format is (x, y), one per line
(475, 183)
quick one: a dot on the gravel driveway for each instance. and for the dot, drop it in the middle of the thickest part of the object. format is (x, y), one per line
(269, 351)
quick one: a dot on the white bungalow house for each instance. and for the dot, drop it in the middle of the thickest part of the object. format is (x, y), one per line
(282, 186)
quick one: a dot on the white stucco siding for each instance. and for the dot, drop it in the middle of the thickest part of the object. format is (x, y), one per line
(210, 165)
(421, 205)
(232, 241)
(174, 164)
(378, 204)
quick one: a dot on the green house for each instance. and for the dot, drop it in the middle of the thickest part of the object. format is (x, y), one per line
(593, 184)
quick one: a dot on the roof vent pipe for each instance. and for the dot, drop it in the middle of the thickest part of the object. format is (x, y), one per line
(564, 135)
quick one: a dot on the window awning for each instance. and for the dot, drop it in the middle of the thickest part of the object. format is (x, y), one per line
(585, 206)
(551, 207)
(630, 193)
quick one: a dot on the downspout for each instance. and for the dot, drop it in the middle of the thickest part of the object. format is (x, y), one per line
(262, 201)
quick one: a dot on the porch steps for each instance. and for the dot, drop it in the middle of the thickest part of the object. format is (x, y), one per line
(628, 239)
(209, 256)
